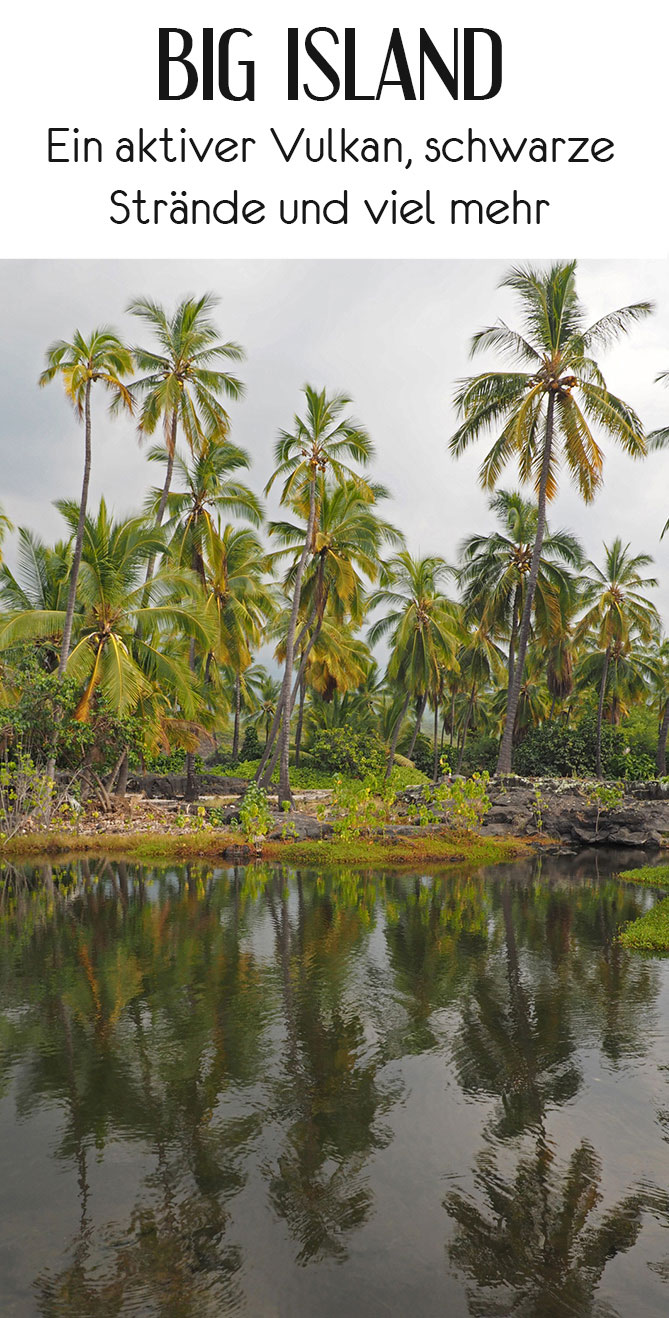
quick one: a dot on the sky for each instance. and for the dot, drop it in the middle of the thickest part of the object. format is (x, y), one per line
(393, 335)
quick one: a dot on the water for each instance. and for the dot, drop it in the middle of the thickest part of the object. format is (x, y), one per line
(267, 1092)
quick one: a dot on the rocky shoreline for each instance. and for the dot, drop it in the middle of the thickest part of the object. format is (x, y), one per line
(573, 813)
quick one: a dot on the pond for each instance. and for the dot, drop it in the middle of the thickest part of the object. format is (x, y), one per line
(269, 1092)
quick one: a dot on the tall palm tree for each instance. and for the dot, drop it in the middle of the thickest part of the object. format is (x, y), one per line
(321, 441)
(80, 363)
(182, 383)
(617, 612)
(494, 568)
(422, 626)
(547, 412)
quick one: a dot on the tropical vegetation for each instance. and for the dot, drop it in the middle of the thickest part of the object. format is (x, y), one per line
(320, 640)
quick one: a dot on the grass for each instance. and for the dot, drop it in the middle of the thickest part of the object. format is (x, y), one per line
(445, 848)
(306, 777)
(653, 876)
(650, 933)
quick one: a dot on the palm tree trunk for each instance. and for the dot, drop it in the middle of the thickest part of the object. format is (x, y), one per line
(171, 449)
(79, 539)
(452, 717)
(191, 787)
(238, 703)
(661, 759)
(300, 719)
(600, 712)
(435, 764)
(122, 780)
(74, 575)
(284, 740)
(514, 634)
(419, 719)
(270, 767)
(468, 715)
(273, 728)
(506, 747)
(396, 734)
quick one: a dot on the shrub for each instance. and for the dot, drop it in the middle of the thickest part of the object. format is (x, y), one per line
(358, 807)
(255, 816)
(26, 795)
(468, 799)
(555, 750)
(251, 745)
(344, 751)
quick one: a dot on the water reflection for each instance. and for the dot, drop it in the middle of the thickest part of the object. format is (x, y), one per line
(218, 1085)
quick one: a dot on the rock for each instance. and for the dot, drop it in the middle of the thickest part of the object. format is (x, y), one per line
(295, 826)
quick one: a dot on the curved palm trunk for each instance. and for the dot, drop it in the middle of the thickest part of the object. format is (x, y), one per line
(300, 719)
(661, 759)
(272, 725)
(270, 767)
(396, 734)
(506, 747)
(419, 719)
(79, 539)
(435, 764)
(284, 739)
(465, 729)
(238, 705)
(600, 712)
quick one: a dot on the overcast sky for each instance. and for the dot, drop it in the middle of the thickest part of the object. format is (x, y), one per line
(393, 335)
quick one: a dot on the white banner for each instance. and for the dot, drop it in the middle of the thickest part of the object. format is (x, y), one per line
(395, 130)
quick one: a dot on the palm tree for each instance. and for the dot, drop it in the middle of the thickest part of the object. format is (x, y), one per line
(321, 441)
(208, 487)
(42, 576)
(495, 568)
(182, 384)
(81, 363)
(547, 412)
(122, 642)
(267, 699)
(616, 613)
(422, 625)
(480, 660)
(347, 541)
(239, 603)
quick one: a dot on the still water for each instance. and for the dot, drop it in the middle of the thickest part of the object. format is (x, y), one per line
(274, 1092)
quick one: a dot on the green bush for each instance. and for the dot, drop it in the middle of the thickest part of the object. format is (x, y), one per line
(251, 749)
(480, 755)
(556, 750)
(423, 756)
(342, 750)
(255, 816)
